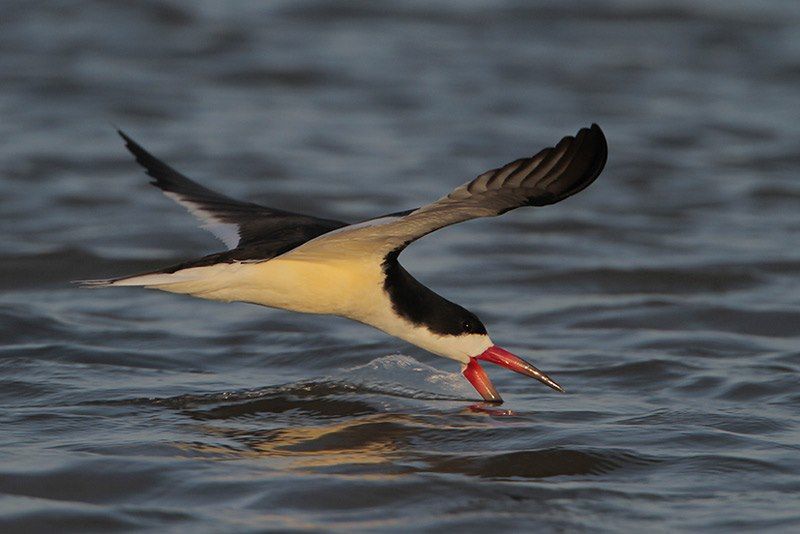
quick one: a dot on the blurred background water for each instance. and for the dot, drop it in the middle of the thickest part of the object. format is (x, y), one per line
(664, 297)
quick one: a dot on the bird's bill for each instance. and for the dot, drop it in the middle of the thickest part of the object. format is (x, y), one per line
(503, 358)
(476, 376)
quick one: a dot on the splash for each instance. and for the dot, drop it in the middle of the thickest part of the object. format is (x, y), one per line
(406, 376)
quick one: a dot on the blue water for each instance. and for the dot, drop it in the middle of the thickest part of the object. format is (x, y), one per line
(664, 298)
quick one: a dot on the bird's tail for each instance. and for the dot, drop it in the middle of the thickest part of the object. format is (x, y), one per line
(213, 282)
(151, 279)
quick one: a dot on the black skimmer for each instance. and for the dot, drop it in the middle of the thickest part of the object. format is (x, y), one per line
(307, 264)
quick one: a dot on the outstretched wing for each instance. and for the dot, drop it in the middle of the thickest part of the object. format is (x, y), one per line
(550, 176)
(237, 224)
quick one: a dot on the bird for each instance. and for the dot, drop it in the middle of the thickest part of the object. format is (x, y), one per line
(309, 264)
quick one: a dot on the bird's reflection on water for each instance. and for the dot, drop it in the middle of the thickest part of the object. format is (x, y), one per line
(378, 436)
(325, 427)
(304, 447)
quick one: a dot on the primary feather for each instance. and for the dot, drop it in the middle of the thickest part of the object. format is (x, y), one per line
(235, 223)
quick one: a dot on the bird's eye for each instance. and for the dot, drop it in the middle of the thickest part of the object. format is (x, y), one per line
(466, 325)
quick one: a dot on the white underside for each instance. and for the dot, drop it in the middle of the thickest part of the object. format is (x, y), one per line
(344, 287)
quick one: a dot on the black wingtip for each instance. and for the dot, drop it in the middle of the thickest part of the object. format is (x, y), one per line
(602, 142)
(588, 160)
(164, 177)
(576, 166)
(134, 147)
(601, 150)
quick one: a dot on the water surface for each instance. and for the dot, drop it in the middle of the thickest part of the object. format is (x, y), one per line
(664, 297)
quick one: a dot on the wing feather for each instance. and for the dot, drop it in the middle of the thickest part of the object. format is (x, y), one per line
(238, 224)
(549, 176)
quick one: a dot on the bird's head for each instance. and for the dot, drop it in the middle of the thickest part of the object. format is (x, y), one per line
(435, 324)
(461, 336)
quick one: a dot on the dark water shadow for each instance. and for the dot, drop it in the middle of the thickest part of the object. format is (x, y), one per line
(541, 463)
